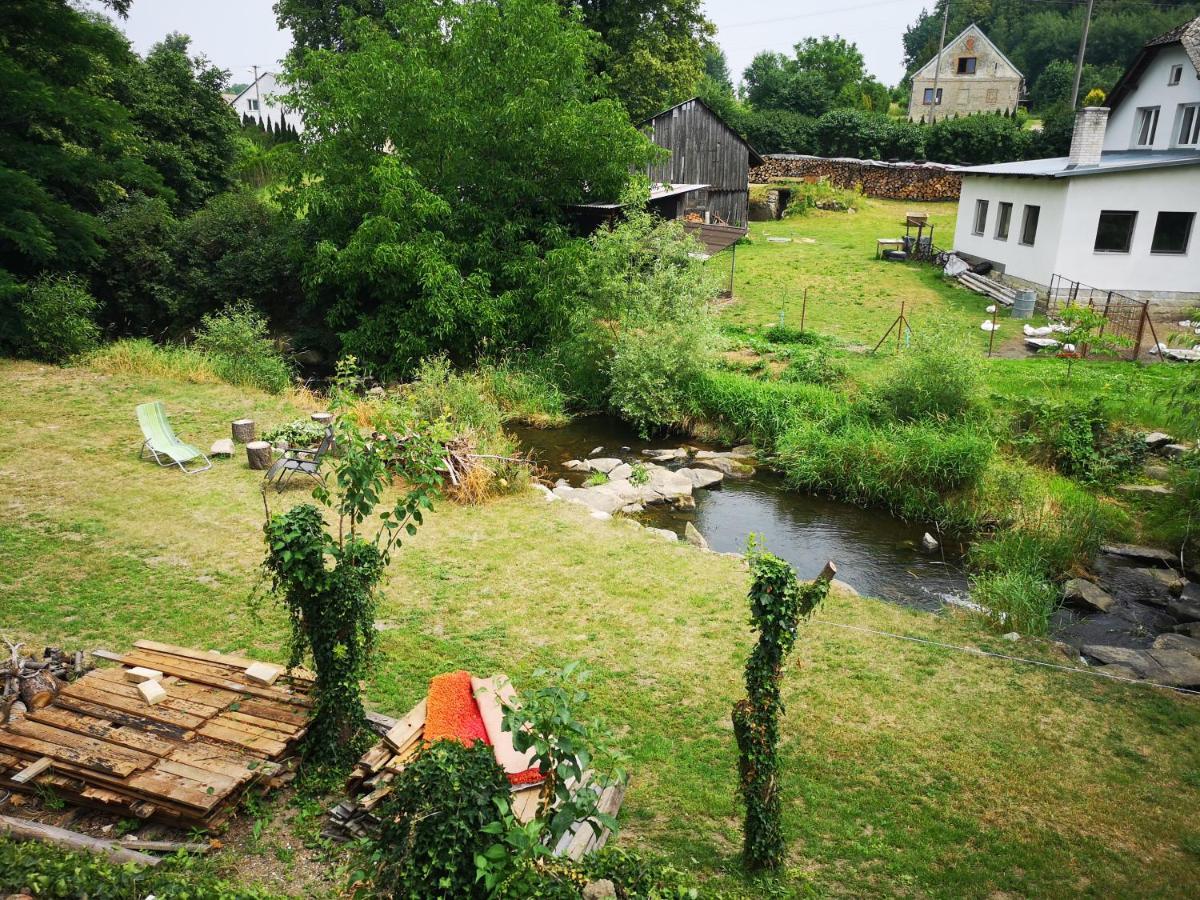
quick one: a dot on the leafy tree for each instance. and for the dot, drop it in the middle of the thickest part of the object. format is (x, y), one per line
(188, 128)
(1054, 139)
(824, 73)
(835, 60)
(320, 24)
(137, 279)
(779, 131)
(438, 245)
(716, 87)
(67, 147)
(654, 52)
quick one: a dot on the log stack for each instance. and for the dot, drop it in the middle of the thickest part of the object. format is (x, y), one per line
(27, 682)
(924, 182)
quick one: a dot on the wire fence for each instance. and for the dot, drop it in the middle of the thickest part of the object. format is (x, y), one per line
(1124, 316)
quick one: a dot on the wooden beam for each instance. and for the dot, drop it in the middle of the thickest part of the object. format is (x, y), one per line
(25, 830)
(33, 770)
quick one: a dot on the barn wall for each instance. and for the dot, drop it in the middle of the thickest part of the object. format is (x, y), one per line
(704, 150)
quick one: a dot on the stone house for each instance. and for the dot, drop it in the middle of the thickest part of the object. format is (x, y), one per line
(974, 77)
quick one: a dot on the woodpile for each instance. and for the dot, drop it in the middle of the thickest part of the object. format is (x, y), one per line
(30, 683)
(926, 182)
(371, 781)
(185, 759)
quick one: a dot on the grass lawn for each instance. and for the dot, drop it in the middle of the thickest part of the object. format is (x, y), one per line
(908, 769)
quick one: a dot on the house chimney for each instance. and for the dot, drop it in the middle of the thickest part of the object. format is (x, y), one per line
(1087, 140)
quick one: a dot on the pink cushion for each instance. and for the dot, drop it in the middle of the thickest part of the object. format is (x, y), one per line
(488, 694)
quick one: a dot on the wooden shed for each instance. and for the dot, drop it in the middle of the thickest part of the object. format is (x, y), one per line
(703, 151)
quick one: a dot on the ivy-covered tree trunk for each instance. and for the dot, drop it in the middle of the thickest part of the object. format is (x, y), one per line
(777, 604)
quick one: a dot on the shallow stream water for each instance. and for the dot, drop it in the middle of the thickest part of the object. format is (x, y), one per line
(876, 554)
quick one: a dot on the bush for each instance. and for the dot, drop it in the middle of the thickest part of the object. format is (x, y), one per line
(297, 433)
(939, 379)
(814, 365)
(1077, 438)
(976, 140)
(433, 822)
(780, 131)
(654, 369)
(55, 316)
(136, 280)
(761, 411)
(822, 195)
(854, 133)
(56, 874)
(240, 351)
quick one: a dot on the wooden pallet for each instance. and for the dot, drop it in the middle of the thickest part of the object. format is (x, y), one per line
(185, 761)
(371, 781)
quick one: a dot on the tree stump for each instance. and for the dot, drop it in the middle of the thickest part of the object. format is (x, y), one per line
(323, 419)
(38, 689)
(243, 431)
(258, 454)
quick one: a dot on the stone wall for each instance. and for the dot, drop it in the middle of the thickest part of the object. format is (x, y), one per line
(891, 181)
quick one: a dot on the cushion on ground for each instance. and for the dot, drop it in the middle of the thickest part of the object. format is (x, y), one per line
(490, 696)
(451, 711)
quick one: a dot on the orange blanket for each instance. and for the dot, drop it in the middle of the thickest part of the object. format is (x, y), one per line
(451, 711)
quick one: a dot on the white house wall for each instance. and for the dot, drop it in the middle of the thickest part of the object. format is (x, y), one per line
(1035, 263)
(1153, 90)
(265, 95)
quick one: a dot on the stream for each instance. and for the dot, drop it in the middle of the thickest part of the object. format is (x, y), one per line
(876, 554)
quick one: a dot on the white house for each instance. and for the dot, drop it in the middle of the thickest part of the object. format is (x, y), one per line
(260, 101)
(970, 76)
(1120, 212)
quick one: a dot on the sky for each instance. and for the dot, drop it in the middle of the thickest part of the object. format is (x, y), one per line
(238, 34)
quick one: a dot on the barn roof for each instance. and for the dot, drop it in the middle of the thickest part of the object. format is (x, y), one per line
(755, 157)
(1186, 34)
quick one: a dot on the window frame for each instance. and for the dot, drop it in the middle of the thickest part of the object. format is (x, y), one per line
(1003, 219)
(252, 104)
(1187, 236)
(1175, 76)
(962, 68)
(1025, 218)
(979, 223)
(1132, 215)
(1183, 126)
(1146, 115)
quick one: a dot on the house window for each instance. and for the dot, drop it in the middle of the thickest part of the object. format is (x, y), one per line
(1175, 76)
(1147, 126)
(1114, 233)
(1029, 225)
(993, 95)
(981, 207)
(1172, 232)
(1189, 124)
(966, 65)
(252, 104)
(927, 99)
(1003, 218)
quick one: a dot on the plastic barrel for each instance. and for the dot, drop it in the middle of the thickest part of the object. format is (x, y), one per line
(1023, 305)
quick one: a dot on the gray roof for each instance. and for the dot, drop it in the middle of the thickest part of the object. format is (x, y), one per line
(1115, 161)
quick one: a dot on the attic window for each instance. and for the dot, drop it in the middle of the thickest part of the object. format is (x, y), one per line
(1147, 126)
(251, 104)
(966, 65)
(1175, 76)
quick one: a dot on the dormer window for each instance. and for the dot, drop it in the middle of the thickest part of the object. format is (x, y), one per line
(1189, 125)
(1175, 77)
(966, 65)
(1147, 126)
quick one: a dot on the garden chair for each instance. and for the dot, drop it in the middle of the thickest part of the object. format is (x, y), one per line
(165, 448)
(306, 462)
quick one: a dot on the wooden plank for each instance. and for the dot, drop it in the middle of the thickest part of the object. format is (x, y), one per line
(220, 783)
(229, 720)
(224, 761)
(284, 731)
(590, 836)
(119, 717)
(175, 695)
(188, 670)
(237, 662)
(217, 732)
(81, 757)
(25, 830)
(83, 691)
(53, 735)
(33, 770)
(408, 727)
(86, 725)
(275, 712)
(524, 803)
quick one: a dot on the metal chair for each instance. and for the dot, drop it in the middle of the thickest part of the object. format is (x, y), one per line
(306, 462)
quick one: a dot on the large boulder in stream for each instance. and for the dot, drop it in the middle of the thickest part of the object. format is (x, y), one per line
(725, 465)
(604, 464)
(1082, 594)
(702, 478)
(665, 486)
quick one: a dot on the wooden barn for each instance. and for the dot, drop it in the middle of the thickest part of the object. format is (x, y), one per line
(707, 153)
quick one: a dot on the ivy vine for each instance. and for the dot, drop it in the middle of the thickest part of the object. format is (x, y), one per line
(327, 579)
(778, 602)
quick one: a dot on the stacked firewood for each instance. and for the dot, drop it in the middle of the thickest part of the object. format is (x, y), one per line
(32, 683)
(925, 182)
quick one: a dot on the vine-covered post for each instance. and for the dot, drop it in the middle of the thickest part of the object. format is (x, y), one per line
(777, 604)
(327, 579)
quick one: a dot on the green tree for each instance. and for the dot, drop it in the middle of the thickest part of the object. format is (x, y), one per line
(654, 50)
(438, 244)
(320, 24)
(836, 61)
(187, 127)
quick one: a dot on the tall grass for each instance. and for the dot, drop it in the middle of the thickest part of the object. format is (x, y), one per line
(140, 356)
(747, 408)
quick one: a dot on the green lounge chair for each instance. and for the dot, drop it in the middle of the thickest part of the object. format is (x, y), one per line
(165, 448)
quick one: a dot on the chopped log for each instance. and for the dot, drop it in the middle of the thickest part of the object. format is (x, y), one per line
(25, 830)
(38, 688)
(323, 419)
(258, 454)
(896, 181)
(243, 430)
(263, 673)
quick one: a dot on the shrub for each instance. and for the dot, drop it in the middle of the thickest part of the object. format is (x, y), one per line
(654, 369)
(822, 195)
(297, 433)
(937, 380)
(785, 334)
(136, 279)
(814, 366)
(853, 133)
(56, 318)
(762, 411)
(976, 140)
(780, 131)
(240, 351)
(434, 820)
(1077, 438)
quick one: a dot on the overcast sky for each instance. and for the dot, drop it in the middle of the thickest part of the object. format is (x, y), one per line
(237, 34)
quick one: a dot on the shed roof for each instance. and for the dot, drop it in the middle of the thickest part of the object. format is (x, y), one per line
(755, 157)
(1110, 162)
(658, 191)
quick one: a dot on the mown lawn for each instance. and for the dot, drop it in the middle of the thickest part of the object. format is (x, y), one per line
(908, 769)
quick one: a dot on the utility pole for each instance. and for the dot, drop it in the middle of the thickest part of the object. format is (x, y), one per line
(937, 69)
(1087, 24)
(257, 96)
